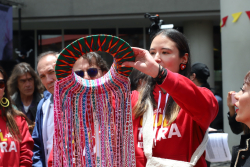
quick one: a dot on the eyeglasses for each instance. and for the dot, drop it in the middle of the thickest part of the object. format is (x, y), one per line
(92, 72)
(2, 83)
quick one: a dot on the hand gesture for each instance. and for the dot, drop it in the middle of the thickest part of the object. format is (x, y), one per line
(144, 62)
(230, 104)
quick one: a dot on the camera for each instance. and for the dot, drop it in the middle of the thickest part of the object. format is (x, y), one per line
(156, 23)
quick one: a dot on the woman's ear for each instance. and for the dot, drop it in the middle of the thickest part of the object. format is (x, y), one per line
(192, 77)
(185, 58)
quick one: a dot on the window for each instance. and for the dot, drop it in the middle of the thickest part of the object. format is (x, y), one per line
(49, 40)
(72, 35)
(133, 36)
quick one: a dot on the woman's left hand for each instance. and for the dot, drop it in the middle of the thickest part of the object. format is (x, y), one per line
(144, 62)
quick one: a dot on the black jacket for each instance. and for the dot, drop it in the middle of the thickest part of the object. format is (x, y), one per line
(235, 126)
(16, 99)
(241, 153)
(217, 123)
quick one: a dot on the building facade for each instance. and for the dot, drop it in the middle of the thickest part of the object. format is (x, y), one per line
(52, 25)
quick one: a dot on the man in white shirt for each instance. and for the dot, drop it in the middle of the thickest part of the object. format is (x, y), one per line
(44, 128)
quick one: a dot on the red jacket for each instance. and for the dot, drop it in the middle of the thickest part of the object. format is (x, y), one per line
(179, 140)
(14, 153)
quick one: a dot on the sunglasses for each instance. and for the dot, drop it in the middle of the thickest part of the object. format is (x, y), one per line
(92, 72)
(2, 83)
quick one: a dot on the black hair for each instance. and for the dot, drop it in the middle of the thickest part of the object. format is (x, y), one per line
(100, 62)
(172, 109)
(135, 77)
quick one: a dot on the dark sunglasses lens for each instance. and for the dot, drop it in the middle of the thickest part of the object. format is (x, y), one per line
(92, 72)
(2, 85)
(79, 73)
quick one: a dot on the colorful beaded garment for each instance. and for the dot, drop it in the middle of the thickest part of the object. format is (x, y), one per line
(93, 118)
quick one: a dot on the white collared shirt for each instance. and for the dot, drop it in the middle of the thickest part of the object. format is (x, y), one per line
(48, 127)
(50, 130)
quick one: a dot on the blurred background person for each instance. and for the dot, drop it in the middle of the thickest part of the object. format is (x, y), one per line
(199, 75)
(25, 89)
(241, 153)
(16, 142)
(44, 127)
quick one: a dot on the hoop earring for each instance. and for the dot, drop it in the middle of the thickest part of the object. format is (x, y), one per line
(4, 102)
(183, 66)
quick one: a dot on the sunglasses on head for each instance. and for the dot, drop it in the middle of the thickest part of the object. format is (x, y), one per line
(2, 83)
(92, 72)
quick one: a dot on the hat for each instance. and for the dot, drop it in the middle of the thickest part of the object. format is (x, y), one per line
(117, 47)
(201, 70)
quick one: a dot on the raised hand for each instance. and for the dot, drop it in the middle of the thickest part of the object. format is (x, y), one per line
(144, 62)
(230, 104)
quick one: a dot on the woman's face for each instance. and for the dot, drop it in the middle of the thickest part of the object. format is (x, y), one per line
(1, 89)
(165, 53)
(243, 104)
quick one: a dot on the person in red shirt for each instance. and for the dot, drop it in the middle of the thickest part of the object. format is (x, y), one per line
(171, 114)
(15, 140)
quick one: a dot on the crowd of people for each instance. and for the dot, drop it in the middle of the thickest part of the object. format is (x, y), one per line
(173, 107)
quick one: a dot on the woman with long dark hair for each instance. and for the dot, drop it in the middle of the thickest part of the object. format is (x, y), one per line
(15, 139)
(239, 106)
(171, 114)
